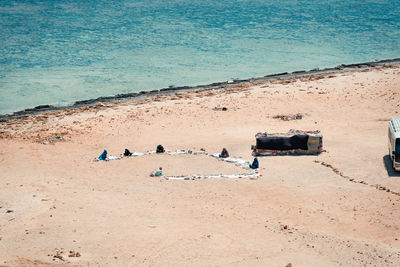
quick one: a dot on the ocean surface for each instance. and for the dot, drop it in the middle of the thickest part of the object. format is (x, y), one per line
(58, 52)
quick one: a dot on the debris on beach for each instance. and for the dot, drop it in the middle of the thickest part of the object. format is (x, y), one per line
(51, 140)
(220, 108)
(74, 254)
(284, 227)
(57, 255)
(297, 116)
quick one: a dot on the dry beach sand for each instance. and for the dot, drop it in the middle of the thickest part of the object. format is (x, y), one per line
(342, 207)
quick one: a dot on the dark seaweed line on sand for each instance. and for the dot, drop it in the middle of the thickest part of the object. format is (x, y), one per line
(217, 85)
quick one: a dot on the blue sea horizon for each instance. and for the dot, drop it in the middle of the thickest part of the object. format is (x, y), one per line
(58, 53)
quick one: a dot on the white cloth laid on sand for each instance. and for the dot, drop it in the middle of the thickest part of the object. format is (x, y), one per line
(237, 161)
(193, 177)
(108, 158)
(244, 164)
(137, 154)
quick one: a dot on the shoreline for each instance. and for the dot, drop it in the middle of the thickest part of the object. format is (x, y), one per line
(341, 207)
(217, 85)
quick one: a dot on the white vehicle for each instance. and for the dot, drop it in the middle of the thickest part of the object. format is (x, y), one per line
(394, 142)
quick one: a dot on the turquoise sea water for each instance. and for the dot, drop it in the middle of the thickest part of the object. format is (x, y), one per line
(57, 52)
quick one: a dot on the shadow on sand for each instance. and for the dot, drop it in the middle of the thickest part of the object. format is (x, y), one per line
(389, 167)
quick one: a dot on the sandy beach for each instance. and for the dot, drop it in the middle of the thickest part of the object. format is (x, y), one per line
(339, 208)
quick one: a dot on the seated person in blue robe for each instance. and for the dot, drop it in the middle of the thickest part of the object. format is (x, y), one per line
(103, 156)
(255, 164)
